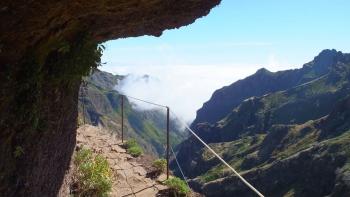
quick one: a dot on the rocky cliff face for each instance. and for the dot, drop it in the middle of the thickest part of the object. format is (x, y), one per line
(45, 49)
(286, 143)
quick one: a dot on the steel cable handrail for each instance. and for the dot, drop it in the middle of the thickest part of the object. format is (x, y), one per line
(149, 102)
(178, 164)
(218, 156)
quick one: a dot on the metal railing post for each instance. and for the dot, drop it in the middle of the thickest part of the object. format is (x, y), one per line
(122, 109)
(167, 142)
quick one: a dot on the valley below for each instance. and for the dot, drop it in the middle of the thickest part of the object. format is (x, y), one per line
(286, 132)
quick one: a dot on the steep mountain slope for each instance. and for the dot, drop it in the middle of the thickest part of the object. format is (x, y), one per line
(100, 105)
(311, 159)
(292, 142)
(263, 82)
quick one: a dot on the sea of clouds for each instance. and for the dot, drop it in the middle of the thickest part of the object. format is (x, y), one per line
(183, 88)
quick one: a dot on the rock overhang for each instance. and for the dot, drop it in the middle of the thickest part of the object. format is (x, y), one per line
(28, 24)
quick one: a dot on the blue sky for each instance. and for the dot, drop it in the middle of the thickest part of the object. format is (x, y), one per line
(246, 32)
(234, 40)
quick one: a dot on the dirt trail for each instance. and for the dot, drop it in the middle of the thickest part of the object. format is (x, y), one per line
(129, 176)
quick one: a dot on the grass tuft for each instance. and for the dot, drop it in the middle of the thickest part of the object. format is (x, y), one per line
(93, 175)
(133, 148)
(178, 186)
(160, 165)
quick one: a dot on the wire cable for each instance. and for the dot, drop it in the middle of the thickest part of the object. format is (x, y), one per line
(221, 159)
(178, 164)
(149, 102)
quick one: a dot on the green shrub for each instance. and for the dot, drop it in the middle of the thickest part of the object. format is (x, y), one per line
(130, 143)
(93, 175)
(160, 165)
(179, 186)
(133, 148)
(135, 151)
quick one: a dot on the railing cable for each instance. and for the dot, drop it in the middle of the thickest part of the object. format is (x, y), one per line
(149, 102)
(178, 164)
(167, 126)
(221, 159)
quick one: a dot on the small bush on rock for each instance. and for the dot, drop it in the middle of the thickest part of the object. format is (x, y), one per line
(177, 186)
(130, 143)
(133, 148)
(93, 175)
(135, 151)
(160, 165)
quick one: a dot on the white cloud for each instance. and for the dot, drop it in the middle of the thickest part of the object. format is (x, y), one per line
(275, 64)
(184, 88)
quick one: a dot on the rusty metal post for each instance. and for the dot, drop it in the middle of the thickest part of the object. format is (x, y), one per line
(167, 142)
(122, 108)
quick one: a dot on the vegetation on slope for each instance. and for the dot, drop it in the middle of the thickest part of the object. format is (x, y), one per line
(93, 175)
(133, 148)
(160, 165)
(177, 186)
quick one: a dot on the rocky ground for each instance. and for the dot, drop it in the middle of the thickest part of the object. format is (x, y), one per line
(129, 174)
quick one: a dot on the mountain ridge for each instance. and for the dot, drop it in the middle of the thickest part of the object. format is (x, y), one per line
(262, 82)
(280, 141)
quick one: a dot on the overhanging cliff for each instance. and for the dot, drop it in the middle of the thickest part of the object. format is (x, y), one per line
(45, 48)
(27, 24)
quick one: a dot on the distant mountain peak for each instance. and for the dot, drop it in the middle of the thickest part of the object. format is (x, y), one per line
(328, 57)
(328, 52)
(263, 71)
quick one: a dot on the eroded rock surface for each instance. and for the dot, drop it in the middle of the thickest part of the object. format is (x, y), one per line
(25, 24)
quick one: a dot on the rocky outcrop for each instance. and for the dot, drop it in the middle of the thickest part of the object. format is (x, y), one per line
(45, 49)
